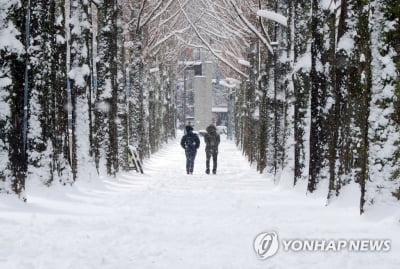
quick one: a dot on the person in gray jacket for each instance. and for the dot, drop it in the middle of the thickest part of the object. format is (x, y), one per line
(212, 139)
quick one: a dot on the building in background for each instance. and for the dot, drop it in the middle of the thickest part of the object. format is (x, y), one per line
(219, 102)
(203, 96)
(202, 86)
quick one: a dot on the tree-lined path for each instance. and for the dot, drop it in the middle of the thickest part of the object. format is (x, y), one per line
(309, 92)
(167, 219)
(311, 89)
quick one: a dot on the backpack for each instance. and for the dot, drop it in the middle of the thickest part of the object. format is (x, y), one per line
(212, 139)
(191, 142)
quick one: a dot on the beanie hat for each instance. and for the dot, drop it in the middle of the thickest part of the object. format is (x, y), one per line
(189, 128)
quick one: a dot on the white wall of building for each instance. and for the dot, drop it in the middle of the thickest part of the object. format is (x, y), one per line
(202, 86)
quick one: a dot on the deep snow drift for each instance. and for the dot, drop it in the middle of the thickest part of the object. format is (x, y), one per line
(167, 219)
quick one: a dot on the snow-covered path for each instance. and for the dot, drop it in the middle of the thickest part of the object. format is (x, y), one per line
(167, 219)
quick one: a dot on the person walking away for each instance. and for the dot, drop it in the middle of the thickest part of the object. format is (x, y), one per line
(212, 140)
(190, 142)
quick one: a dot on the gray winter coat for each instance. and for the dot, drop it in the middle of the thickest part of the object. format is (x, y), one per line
(211, 139)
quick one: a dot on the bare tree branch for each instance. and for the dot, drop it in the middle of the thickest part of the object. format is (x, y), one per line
(140, 15)
(251, 27)
(208, 45)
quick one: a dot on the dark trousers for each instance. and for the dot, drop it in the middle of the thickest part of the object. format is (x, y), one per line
(190, 156)
(214, 155)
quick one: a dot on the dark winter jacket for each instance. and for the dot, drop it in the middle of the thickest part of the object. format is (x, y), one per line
(211, 139)
(190, 141)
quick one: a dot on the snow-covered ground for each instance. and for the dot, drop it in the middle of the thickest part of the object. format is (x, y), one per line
(167, 219)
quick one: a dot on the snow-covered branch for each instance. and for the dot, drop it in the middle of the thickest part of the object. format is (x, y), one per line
(164, 39)
(140, 15)
(208, 45)
(273, 16)
(152, 17)
(251, 27)
(190, 44)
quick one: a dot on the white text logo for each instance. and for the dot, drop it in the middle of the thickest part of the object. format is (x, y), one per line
(266, 245)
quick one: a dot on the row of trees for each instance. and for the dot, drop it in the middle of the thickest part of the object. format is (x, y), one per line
(95, 82)
(320, 104)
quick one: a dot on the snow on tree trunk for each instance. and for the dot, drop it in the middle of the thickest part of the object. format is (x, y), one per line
(302, 67)
(384, 118)
(10, 48)
(15, 66)
(319, 87)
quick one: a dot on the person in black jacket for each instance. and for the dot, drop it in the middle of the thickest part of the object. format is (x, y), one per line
(212, 140)
(190, 142)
